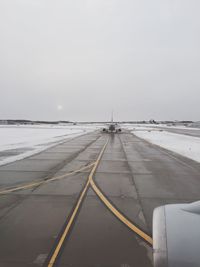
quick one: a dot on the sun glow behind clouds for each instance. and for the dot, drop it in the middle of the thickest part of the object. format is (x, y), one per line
(97, 53)
(59, 107)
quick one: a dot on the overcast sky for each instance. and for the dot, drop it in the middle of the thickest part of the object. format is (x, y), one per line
(79, 59)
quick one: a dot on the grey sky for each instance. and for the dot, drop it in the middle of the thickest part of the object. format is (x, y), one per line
(138, 57)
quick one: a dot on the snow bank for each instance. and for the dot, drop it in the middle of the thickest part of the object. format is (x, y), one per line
(24, 141)
(182, 144)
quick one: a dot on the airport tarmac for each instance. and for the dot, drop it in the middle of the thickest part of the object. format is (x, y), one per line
(89, 202)
(191, 132)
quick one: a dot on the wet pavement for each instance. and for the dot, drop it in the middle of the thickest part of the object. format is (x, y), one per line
(134, 175)
(191, 132)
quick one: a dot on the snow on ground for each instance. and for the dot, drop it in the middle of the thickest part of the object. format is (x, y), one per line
(138, 127)
(179, 127)
(21, 141)
(184, 145)
(147, 126)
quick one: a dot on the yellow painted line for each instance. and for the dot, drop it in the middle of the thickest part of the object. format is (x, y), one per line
(119, 215)
(62, 239)
(66, 231)
(36, 183)
(97, 161)
(70, 173)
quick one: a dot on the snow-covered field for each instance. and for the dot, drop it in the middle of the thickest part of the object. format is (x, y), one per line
(153, 126)
(18, 142)
(184, 145)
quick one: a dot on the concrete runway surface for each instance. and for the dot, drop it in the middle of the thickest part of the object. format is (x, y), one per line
(191, 132)
(100, 213)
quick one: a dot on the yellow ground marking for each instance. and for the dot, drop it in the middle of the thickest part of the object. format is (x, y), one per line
(66, 231)
(37, 183)
(119, 215)
(90, 182)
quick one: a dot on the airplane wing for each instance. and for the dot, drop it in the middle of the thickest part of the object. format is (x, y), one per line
(176, 235)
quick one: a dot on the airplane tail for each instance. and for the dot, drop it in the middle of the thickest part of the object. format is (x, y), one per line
(112, 117)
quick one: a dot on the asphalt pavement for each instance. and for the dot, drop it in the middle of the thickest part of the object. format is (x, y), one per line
(190, 132)
(89, 202)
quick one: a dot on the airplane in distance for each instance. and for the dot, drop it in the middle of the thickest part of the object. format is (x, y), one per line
(113, 127)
